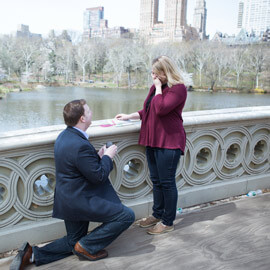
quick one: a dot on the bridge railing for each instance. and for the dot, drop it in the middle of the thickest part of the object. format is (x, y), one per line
(227, 154)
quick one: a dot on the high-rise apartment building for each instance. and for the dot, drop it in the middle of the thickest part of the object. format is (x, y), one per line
(254, 16)
(93, 18)
(174, 26)
(199, 18)
(95, 26)
(148, 15)
(240, 14)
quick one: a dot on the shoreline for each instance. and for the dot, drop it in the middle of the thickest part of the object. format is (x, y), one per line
(19, 87)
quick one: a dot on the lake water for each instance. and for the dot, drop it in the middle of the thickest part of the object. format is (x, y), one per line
(44, 107)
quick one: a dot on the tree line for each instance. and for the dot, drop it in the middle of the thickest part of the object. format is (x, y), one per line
(127, 62)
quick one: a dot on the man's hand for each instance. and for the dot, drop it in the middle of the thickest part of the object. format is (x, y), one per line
(101, 151)
(111, 151)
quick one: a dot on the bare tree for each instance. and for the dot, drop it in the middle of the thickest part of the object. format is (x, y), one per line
(82, 56)
(182, 55)
(64, 61)
(257, 59)
(148, 56)
(132, 58)
(238, 62)
(200, 57)
(100, 55)
(28, 49)
(38, 63)
(221, 55)
(115, 61)
(8, 56)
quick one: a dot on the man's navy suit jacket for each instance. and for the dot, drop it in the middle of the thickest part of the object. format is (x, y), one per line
(83, 191)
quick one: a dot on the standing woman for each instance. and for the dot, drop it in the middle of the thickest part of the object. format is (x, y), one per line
(163, 134)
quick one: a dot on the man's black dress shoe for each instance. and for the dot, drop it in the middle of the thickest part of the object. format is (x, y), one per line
(22, 259)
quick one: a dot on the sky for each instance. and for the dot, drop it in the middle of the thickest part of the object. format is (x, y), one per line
(44, 15)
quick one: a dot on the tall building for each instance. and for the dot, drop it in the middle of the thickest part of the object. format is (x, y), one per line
(23, 32)
(254, 16)
(199, 18)
(174, 27)
(148, 15)
(93, 18)
(240, 14)
(95, 26)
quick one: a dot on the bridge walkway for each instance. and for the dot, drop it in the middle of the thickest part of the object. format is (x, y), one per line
(229, 235)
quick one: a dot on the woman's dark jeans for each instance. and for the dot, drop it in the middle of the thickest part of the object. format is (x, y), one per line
(162, 165)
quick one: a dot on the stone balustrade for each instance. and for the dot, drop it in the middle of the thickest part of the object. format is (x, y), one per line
(227, 154)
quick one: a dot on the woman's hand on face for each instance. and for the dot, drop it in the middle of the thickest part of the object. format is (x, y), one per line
(122, 116)
(156, 80)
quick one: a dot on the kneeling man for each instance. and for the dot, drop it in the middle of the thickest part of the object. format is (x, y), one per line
(83, 193)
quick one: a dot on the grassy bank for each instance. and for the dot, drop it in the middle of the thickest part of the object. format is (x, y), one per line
(13, 87)
(7, 87)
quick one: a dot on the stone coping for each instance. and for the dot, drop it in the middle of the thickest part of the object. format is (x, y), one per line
(48, 134)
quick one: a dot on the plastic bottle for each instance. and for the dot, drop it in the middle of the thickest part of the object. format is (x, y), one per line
(253, 193)
(179, 211)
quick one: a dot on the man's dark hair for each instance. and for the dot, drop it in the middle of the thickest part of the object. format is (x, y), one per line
(73, 111)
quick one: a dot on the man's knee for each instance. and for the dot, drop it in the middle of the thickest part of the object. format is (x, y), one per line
(132, 215)
(129, 215)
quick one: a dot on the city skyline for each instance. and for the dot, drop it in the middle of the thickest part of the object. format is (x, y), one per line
(173, 24)
(41, 17)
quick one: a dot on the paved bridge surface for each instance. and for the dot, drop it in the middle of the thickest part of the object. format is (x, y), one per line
(230, 235)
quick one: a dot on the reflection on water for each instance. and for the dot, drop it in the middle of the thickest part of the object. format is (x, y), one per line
(44, 107)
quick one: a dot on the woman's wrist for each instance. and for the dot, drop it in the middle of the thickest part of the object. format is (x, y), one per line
(134, 116)
(158, 90)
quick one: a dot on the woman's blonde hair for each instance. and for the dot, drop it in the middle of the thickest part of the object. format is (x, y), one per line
(170, 69)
